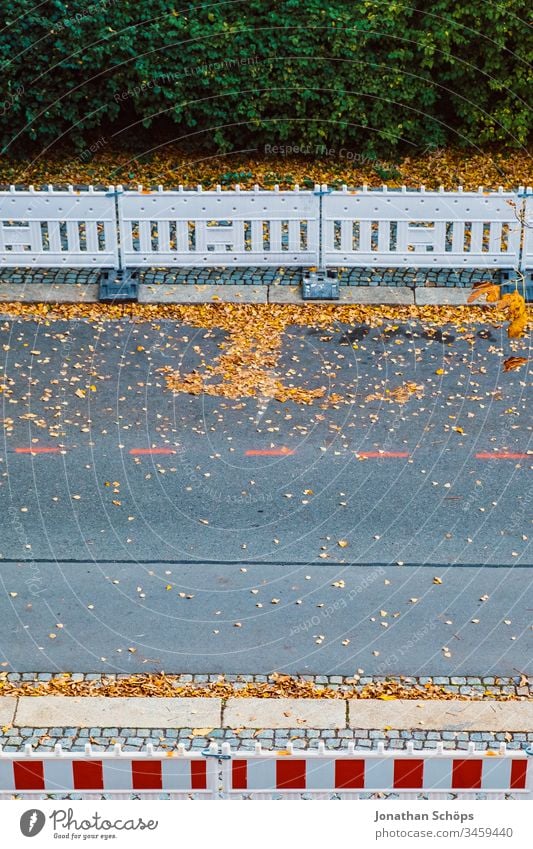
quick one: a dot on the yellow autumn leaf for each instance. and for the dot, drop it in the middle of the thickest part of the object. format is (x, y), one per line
(342, 543)
(201, 732)
(491, 290)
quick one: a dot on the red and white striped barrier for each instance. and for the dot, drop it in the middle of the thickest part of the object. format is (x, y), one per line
(428, 772)
(117, 773)
(263, 773)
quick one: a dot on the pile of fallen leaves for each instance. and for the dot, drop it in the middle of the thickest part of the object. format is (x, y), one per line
(514, 302)
(268, 316)
(450, 167)
(246, 368)
(248, 363)
(277, 687)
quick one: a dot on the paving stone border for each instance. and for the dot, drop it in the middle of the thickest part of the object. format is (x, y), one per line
(134, 738)
(469, 685)
(260, 275)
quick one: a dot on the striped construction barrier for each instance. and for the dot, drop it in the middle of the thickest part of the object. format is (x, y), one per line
(432, 772)
(221, 773)
(117, 773)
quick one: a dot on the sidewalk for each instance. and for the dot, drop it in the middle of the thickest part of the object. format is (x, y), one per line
(393, 286)
(271, 709)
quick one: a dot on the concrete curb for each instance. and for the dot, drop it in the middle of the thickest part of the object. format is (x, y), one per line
(70, 293)
(283, 713)
(441, 296)
(415, 714)
(202, 294)
(49, 293)
(452, 715)
(8, 706)
(80, 711)
(387, 295)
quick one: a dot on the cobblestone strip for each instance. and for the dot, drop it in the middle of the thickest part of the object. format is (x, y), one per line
(258, 275)
(469, 685)
(134, 739)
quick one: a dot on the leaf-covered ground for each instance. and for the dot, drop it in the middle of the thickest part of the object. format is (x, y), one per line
(277, 687)
(249, 356)
(229, 316)
(171, 167)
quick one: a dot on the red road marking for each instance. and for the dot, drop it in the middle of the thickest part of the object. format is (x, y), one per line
(152, 451)
(501, 455)
(378, 454)
(37, 450)
(269, 452)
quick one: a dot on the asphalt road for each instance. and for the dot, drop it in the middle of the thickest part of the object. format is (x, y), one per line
(385, 531)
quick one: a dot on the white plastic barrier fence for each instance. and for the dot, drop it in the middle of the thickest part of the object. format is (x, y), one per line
(221, 773)
(119, 774)
(58, 228)
(394, 228)
(233, 228)
(355, 774)
(388, 228)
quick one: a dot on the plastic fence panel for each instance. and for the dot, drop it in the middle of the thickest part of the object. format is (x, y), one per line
(58, 228)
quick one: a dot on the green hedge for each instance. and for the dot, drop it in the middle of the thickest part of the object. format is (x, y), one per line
(371, 76)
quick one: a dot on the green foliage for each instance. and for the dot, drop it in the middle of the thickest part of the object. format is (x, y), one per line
(377, 75)
(387, 174)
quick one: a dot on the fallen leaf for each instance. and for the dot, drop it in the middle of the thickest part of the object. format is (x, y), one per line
(491, 290)
(513, 363)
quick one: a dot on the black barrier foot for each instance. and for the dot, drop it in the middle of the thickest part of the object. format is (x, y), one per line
(118, 286)
(320, 286)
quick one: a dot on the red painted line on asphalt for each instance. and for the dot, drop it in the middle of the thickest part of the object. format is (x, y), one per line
(501, 455)
(152, 451)
(37, 450)
(371, 455)
(269, 452)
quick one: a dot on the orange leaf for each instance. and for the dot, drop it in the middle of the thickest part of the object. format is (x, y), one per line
(512, 363)
(491, 290)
